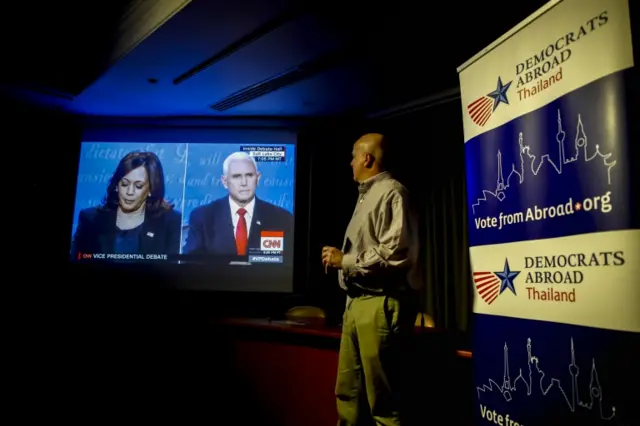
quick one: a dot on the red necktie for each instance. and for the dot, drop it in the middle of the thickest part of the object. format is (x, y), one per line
(241, 233)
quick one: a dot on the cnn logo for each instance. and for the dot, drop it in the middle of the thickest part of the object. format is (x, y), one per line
(271, 240)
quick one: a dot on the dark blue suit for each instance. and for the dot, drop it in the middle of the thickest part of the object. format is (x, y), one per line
(211, 227)
(97, 233)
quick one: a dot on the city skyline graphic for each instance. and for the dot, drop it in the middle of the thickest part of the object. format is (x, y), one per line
(517, 173)
(548, 384)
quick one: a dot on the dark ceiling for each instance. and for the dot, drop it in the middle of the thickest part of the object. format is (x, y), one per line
(58, 45)
(245, 57)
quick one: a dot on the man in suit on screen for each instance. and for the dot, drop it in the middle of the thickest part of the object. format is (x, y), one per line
(233, 224)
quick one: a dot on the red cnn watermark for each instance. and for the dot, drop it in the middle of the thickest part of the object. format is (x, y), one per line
(272, 240)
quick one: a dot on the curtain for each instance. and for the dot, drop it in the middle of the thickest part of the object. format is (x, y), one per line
(428, 158)
(447, 291)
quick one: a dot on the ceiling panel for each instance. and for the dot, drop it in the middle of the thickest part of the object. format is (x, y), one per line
(402, 52)
(57, 45)
(340, 89)
(125, 89)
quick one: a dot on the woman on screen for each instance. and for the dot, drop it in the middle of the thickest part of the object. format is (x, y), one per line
(134, 217)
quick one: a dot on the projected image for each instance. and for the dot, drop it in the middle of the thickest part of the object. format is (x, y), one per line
(240, 201)
(127, 201)
(185, 203)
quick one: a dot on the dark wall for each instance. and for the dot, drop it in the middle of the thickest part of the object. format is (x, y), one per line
(43, 147)
(44, 160)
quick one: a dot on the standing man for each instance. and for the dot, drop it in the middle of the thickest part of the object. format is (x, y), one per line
(377, 267)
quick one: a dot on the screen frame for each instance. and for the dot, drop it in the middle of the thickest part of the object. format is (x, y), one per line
(188, 278)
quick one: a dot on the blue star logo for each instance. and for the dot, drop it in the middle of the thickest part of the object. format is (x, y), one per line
(500, 94)
(506, 277)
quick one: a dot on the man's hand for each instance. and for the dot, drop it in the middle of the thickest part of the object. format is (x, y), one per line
(332, 257)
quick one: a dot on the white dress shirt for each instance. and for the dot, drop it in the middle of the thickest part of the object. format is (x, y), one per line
(382, 235)
(248, 215)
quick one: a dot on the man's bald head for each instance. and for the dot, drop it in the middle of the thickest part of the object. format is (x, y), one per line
(373, 144)
(368, 156)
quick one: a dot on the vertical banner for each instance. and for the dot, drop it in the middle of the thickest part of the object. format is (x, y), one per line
(554, 226)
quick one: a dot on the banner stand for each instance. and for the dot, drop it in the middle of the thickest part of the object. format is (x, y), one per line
(554, 226)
